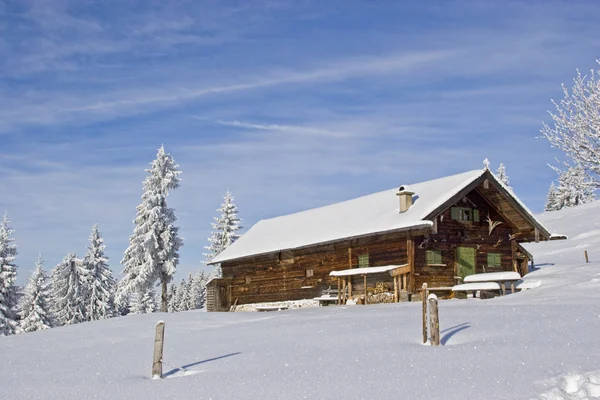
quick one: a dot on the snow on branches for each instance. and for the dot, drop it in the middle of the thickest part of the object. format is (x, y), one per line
(35, 304)
(225, 228)
(153, 247)
(8, 276)
(68, 290)
(98, 280)
(576, 124)
(574, 188)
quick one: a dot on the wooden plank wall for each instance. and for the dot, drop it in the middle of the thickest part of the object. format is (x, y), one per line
(452, 234)
(275, 278)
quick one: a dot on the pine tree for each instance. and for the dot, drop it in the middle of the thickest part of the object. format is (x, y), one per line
(502, 177)
(191, 300)
(68, 291)
(575, 187)
(153, 248)
(144, 302)
(199, 289)
(180, 297)
(224, 233)
(35, 306)
(551, 199)
(8, 276)
(172, 292)
(99, 283)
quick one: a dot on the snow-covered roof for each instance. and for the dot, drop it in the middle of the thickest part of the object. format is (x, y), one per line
(366, 270)
(363, 216)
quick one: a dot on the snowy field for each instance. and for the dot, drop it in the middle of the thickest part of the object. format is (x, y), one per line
(539, 344)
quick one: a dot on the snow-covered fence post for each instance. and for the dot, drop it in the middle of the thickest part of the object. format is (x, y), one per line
(158, 350)
(434, 321)
(587, 260)
(424, 295)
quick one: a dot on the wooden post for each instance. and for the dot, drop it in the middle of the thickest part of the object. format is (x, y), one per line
(587, 260)
(425, 294)
(410, 252)
(350, 267)
(434, 321)
(404, 286)
(365, 281)
(396, 294)
(339, 299)
(513, 254)
(158, 350)
(344, 291)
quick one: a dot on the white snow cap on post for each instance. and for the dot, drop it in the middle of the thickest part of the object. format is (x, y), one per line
(405, 195)
(432, 296)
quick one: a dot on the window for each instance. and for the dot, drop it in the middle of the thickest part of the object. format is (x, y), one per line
(248, 280)
(434, 257)
(464, 214)
(494, 260)
(363, 261)
(309, 272)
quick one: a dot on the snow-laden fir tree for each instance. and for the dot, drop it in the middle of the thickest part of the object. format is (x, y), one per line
(68, 292)
(199, 289)
(224, 233)
(180, 296)
(551, 199)
(576, 124)
(152, 254)
(171, 297)
(502, 177)
(35, 304)
(8, 276)
(99, 282)
(191, 300)
(574, 188)
(144, 301)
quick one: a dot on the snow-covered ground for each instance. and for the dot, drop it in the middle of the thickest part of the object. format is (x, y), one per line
(539, 344)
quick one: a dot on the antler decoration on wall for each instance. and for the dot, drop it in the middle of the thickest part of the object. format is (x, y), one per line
(498, 243)
(424, 243)
(493, 224)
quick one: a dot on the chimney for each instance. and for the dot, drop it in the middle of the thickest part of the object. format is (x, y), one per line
(405, 195)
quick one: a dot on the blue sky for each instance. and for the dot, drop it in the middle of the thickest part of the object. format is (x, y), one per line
(290, 105)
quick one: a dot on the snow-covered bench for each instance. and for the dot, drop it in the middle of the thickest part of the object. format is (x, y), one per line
(475, 287)
(498, 277)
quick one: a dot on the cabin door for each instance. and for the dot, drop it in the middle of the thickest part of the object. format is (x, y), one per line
(465, 260)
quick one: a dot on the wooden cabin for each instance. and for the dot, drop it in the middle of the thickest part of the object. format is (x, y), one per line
(437, 231)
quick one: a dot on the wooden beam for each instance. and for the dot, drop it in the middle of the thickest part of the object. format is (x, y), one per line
(350, 267)
(410, 252)
(400, 270)
(537, 235)
(396, 294)
(513, 254)
(365, 281)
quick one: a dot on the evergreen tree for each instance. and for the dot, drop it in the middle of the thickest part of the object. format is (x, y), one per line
(574, 188)
(191, 300)
(8, 276)
(199, 289)
(153, 248)
(99, 283)
(35, 305)
(144, 302)
(551, 199)
(224, 233)
(68, 291)
(171, 297)
(180, 297)
(502, 177)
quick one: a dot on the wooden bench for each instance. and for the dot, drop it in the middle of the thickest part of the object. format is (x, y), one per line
(326, 299)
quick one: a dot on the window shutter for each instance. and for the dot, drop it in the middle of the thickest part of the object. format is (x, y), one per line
(454, 213)
(475, 215)
(438, 257)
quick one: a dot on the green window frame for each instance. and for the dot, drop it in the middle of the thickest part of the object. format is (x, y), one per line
(464, 214)
(494, 260)
(363, 261)
(434, 257)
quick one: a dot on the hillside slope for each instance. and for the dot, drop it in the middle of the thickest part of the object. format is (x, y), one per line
(520, 346)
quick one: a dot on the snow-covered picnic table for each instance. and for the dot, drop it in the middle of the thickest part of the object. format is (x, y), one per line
(475, 287)
(498, 277)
